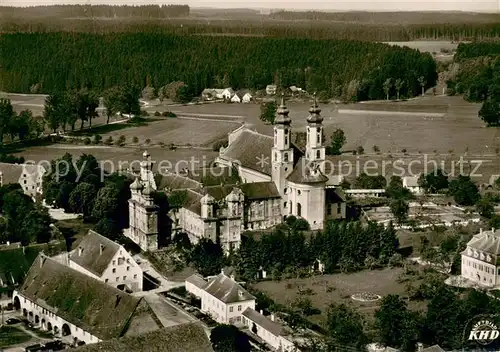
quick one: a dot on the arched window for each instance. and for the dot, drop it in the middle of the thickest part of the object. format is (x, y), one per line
(318, 154)
(318, 138)
(286, 139)
(291, 207)
(299, 209)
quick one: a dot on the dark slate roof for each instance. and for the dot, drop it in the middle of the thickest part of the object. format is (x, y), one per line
(227, 290)
(197, 280)
(185, 337)
(175, 181)
(303, 174)
(218, 192)
(92, 259)
(486, 241)
(260, 190)
(259, 319)
(193, 201)
(88, 303)
(15, 264)
(334, 195)
(250, 147)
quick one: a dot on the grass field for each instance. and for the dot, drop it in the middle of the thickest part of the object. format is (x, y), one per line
(10, 335)
(338, 288)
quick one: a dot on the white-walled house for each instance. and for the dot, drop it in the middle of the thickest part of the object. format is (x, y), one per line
(221, 297)
(29, 176)
(481, 259)
(271, 332)
(235, 99)
(227, 93)
(105, 260)
(66, 302)
(247, 98)
(411, 183)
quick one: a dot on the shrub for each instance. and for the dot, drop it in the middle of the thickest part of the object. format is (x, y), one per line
(172, 146)
(109, 141)
(219, 144)
(97, 139)
(135, 140)
(147, 141)
(144, 113)
(403, 150)
(87, 141)
(120, 141)
(171, 114)
(376, 149)
(165, 113)
(161, 144)
(157, 113)
(360, 150)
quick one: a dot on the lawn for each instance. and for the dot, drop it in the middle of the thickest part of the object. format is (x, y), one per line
(338, 288)
(11, 335)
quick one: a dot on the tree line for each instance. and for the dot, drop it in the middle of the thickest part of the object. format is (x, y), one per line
(382, 32)
(478, 78)
(98, 11)
(98, 62)
(20, 126)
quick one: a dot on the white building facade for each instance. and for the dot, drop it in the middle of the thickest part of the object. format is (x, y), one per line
(481, 259)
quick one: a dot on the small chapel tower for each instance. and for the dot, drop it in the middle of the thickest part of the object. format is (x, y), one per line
(315, 151)
(282, 153)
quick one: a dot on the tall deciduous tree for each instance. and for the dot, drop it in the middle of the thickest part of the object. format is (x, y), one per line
(6, 115)
(398, 84)
(387, 87)
(268, 112)
(490, 112)
(228, 338)
(338, 140)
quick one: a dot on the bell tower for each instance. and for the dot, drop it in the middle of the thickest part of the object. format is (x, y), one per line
(282, 152)
(315, 150)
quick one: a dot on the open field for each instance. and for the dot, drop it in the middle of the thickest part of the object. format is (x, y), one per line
(11, 335)
(111, 157)
(428, 45)
(341, 287)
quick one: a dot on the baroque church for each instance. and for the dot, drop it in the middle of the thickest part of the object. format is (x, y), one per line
(254, 183)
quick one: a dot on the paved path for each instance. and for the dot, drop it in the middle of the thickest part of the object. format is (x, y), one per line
(167, 313)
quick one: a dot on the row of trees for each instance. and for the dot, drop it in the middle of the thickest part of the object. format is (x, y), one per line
(20, 126)
(82, 187)
(338, 68)
(345, 246)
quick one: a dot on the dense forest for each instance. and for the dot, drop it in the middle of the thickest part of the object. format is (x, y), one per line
(269, 28)
(353, 69)
(478, 76)
(413, 17)
(98, 11)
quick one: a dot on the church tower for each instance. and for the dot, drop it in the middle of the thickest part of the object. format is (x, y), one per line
(315, 151)
(282, 152)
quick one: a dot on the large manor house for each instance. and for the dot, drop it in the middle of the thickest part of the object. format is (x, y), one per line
(254, 183)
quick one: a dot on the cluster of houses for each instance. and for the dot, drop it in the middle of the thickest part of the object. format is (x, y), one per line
(241, 96)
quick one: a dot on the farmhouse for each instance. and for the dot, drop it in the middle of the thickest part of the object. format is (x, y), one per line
(27, 175)
(271, 332)
(254, 183)
(271, 89)
(105, 260)
(227, 93)
(411, 183)
(221, 297)
(184, 337)
(247, 98)
(66, 302)
(481, 259)
(235, 99)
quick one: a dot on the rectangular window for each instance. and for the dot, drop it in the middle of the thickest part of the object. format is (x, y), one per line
(128, 268)
(135, 276)
(106, 280)
(114, 262)
(230, 309)
(114, 270)
(239, 308)
(124, 278)
(117, 278)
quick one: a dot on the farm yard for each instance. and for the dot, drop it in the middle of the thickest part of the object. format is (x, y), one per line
(338, 288)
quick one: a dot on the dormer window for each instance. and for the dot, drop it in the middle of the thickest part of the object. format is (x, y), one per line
(488, 258)
(476, 254)
(469, 251)
(481, 256)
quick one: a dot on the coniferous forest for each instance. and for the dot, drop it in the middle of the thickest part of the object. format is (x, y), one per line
(59, 61)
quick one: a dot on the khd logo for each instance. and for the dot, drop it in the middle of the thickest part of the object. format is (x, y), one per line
(484, 332)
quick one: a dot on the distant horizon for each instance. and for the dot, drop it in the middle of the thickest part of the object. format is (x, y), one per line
(484, 6)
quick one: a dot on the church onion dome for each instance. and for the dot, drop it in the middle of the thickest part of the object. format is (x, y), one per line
(315, 112)
(148, 190)
(282, 113)
(136, 185)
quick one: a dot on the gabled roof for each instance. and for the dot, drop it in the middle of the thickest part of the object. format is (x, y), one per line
(252, 150)
(197, 280)
(15, 264)
(184, 337)
(214, 176)
(193, 201)
(175, 181)
(227, 290)
(435, 348)
(91, 257)
(303, 174)
(487, 241)
(266, 323)
(334, 195)
(260, 190)
(88, 303)
(12, 172)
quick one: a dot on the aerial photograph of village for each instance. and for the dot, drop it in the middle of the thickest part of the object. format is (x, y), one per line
(224, 177)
